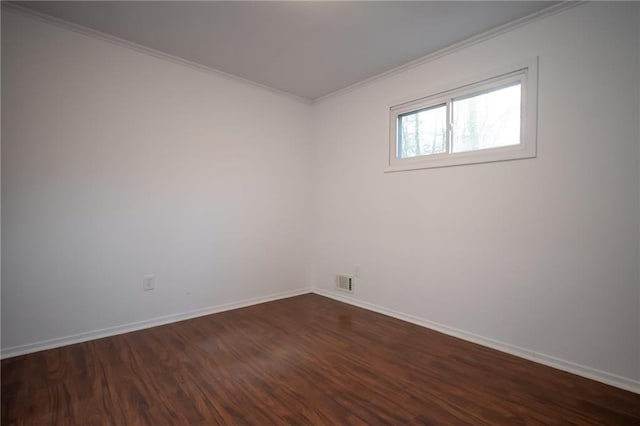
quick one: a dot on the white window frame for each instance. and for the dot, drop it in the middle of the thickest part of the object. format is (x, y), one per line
(524, 73)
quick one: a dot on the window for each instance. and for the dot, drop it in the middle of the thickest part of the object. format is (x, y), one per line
(493, 119)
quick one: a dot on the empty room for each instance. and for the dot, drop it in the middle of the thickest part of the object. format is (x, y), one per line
(320, 213)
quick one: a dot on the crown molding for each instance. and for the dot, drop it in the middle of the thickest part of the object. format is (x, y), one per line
(489, 34)
(13, 7)
(494, 32)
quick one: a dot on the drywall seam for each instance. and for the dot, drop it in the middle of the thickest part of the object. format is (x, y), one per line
(10, 6)
(558, 363)
(492, 33)
(140, 325)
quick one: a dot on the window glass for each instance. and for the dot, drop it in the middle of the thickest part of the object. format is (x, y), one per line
(422, 132)
(487, 120)
(481, 121)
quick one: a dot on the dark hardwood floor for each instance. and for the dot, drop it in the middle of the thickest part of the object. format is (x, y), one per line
(303, 360)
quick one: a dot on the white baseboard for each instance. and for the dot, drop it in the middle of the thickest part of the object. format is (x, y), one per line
(139, 325)
(561, 364)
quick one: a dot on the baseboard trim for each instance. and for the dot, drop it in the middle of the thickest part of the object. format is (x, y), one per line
(140, 325)
(548, 360)
(551, 361)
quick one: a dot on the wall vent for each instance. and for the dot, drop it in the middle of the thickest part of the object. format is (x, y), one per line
(344, 283)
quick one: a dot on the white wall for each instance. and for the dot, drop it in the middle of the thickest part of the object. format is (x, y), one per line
(539, 254)
(117, 164)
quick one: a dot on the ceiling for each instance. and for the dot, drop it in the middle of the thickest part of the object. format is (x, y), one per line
(308, 49)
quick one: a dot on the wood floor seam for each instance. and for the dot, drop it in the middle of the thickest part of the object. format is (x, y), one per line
(308, 360)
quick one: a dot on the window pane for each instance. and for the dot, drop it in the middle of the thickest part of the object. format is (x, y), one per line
(422, 132)
(489, 120)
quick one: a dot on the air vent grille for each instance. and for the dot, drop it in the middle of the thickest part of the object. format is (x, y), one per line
(344, 283)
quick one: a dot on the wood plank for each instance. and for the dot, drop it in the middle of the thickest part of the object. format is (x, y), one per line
(302, 360)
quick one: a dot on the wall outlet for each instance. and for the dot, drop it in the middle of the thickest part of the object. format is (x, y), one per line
(356, 270)
(149, 282)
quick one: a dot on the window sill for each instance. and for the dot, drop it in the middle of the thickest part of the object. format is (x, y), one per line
(474, 157)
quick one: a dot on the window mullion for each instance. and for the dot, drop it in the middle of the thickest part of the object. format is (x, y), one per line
(449, 138)
(494, 120)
